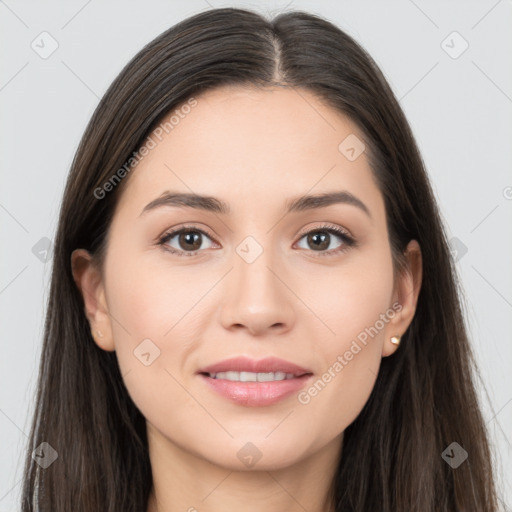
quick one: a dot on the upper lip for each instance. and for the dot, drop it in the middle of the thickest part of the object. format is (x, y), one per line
(245, 364)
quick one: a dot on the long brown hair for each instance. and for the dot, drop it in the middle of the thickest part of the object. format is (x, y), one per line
(424, 397)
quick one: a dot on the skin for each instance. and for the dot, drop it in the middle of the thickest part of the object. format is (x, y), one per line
(254, 149)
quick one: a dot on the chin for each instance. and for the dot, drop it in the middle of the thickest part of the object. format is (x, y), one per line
(256, 453)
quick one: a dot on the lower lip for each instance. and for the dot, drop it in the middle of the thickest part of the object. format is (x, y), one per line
(256, 394)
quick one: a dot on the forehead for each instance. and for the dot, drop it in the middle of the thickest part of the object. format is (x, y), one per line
(246, 144)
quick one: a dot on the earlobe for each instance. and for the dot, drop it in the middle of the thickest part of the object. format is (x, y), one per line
(89, 282)
(406, 294)
(105, 343)
(391, 345)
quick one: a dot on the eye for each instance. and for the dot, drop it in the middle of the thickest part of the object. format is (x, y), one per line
(188, 241)
(320, 239)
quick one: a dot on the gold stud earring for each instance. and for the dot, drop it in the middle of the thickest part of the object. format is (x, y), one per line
(395, 340)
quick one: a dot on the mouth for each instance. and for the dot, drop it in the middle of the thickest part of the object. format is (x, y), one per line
(255, 383)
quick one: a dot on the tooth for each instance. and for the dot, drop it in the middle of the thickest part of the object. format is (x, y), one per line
(247, 377)
(252, 377)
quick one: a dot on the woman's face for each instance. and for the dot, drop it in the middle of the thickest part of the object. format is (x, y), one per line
(249, 281)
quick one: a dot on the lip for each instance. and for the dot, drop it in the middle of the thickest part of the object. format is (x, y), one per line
(255, 394)
(245, 364)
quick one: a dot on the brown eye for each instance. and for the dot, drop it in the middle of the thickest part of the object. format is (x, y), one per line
(185, 241)
(320, 239)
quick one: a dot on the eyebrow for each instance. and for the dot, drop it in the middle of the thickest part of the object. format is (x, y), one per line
(215, 205)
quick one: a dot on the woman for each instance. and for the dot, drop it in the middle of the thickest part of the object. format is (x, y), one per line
(309, 351)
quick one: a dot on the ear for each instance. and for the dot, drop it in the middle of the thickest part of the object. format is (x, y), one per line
(90, 283)
(407, 289)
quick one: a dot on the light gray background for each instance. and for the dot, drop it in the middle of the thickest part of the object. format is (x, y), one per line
(459, 109)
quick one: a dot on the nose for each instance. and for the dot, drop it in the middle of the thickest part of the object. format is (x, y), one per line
(257, 298)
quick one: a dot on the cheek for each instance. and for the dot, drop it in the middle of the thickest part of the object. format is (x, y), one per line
(151, 314)
(356, 312)
(152, 299)
(351, 297)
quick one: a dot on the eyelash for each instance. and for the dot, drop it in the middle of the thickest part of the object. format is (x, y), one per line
(348, 241)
